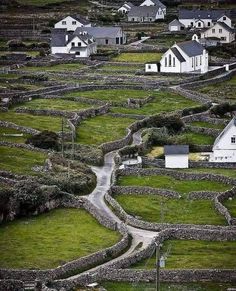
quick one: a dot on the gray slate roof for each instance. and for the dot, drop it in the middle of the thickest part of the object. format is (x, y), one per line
(100, 32)
(143, 11)
(226, 27)
(176, 149)
(80, 19)
(159, 3)
(202, 14)
(176, 22)
(192, 48)
(178, 54)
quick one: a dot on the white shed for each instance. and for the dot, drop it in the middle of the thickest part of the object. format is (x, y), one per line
(176, 156)
(176, 25)
(152, 67)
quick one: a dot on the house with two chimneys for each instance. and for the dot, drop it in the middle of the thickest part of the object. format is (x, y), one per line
(184, 57)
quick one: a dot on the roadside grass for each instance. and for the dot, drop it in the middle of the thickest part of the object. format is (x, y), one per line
(138, 57)
(218, 171)
(100, 129)
(163, 102)
(20, 161)
(166, 182)
(56, 68)
(55, 104)
(139, 286)
(117, 95)
(52, 239)
(7, 134)
(197, 138)
(207, 125)
(32, 121)
(154, 208)
(195, 254)
(231, 206)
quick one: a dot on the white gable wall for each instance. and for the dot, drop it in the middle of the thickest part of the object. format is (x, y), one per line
(151, 68)
(151, 3)
(220, 32)
(170, 64)
(176, 161)
(226, 20)
(70, 24)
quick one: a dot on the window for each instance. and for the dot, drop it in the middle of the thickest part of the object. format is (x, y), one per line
(200, 60)
(73, 22)
(77, 53)
(149, 67)
(191, 23)
(192, 62)
(63, 22)
(199, 24)
(173, 61)
(220, 30)
(233, 139)
(169, 60)
(223, 38)
(196, 62)
(79, 43)
(208, 24)
(224, 18)
(106, 41)
(117, 40)
(213, 30)
(72, 44)
(165, 61)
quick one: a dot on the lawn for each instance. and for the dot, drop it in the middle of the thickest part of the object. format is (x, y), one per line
(100, 129)
(197, 138)
(225, 172)
(55, 104)
(116, 95)
(52, 239)
(163, 102)
(20, 161)
(12, 135)
(231, 205)
(166, 40)
(207, 125)
(194, 254)
(33, 121)
(167, 182)
(139, 286)
(56, 68)
(138, 57)
(163, 210)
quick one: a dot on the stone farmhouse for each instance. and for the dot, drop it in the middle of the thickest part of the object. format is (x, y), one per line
(145, 14)
(72, 22)
(224, 148)
(176, 156)
(125, 8)
(154, 3)
(220, 31)
(80, 45)
(203, 18)
(105, 35)
(184, 57)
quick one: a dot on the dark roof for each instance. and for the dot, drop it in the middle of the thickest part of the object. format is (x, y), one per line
(100, 32)
(143, 11)
(202, 14)
(129, 4)
(178, 54)
(80, 19)
(191, 48)
(176, 22)
(176, 149)
(225, 26)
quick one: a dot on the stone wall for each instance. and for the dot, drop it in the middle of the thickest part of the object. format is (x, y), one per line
(204, 130)
(24, 129)
(218, 201)
(46, 112)
(22, 146)
(11, 285)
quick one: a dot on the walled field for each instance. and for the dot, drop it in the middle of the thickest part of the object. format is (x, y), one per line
(192, 254)
(56, 68)
(100, 129)
(231, 206)
(166, 40)
(7, 134)
(225, 172)
(20, 161)
(52, 239)
(207, 125)
(197, 138)
(138, 57)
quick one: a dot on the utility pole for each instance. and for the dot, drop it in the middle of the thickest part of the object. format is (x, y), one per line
(157, 266)
(73, 144)
(62, 136)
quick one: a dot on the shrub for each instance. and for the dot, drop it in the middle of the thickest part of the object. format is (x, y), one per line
(196, 109)
(45, 140)
(173, 123)
(222, 109)
(15, 44)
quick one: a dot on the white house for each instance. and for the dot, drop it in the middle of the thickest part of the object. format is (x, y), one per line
(72, 22)
(176, 156)
(224, 148)
(154, 3)
(203, 18)
(220, 31)
(176, 25)
(125, 8)
(152, 67)
(185, 57)
(78, 44)
(145, 14)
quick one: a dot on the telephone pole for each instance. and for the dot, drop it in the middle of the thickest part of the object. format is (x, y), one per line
(62, 136)
(157, 266)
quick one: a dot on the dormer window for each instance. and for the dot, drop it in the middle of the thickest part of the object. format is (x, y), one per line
(233, 139)
(63, 22)
(73, 22)
(72, 44)
(79, 43)
(224, 18)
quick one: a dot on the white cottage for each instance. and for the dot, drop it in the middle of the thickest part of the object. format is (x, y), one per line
(145, 14)
(224, 148)
(176, 156)
(176, 25)
(185, 57)
(125, 8)
(72, 22)
(80, 45)
(220, 31)
(154, 3)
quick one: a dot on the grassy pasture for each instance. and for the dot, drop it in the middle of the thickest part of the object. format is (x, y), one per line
(224, 172)
(197, 138)
(231, 205)
(20, 161)
(100, 129)
(7, 134)
(56, 68)
(194, 254)
(52, 239)
(138, 57)
(207, 125)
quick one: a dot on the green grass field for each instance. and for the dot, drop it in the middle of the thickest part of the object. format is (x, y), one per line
(166, 40)
(33, 121)
(207, 125)
(231, 205)
(139, 286)
(52, 239)
(225, 172)
(20, 161)
(194, 254)
(100, 129)
(56, 68)
(167, 182)
(111, 67)
(7, 134)
(55, 104)
(163, 102)
(112, 95)
(197, 138)
(163, 210)
(138, 57)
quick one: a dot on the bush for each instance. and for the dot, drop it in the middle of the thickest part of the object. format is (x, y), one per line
(222, 109)
(197, 109)
(173, 123)
(36, 78)
(45, 140)
(15, 44)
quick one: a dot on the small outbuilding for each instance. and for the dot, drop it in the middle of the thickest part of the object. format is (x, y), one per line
(176, 25)
(152, 67)
(176, 156)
